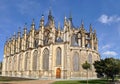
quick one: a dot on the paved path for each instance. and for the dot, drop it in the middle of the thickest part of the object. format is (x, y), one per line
(30, 82)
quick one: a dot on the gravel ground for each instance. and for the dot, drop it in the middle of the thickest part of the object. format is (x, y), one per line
(30, 82)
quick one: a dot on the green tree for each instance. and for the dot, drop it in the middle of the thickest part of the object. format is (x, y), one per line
(86, 66)
(0, 67)
(109, 66)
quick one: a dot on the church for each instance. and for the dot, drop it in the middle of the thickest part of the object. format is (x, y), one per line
(51, 52)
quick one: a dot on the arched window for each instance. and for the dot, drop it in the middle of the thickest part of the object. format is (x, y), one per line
(76, 62)
(10, 64)
(20, 63)
(35, 60)
(36, 43)
(74, 41)
(6, 64)
(90, 58)
(26, 67)
(15, 62)
(58, 56)
(46, 59)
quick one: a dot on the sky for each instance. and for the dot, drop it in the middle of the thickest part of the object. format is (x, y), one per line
(104, 15)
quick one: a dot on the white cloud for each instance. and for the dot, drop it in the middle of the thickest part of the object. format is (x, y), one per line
(28, 7)
(106, 46)
(105, 19)
(110, 53)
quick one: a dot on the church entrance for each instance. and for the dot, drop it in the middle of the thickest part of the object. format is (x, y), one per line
(58, 73)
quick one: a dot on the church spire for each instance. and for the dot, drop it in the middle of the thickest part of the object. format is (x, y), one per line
(50, 19)
(65, 21)
(19, 32)
(42, 20)
(90, 28)
(25, 28)
(59, 26)
(33, 24)
(82, 24)
(70, 17)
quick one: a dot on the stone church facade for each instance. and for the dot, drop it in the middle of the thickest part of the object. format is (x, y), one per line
(51, 52)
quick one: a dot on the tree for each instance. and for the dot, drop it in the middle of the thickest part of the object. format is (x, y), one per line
(86, 66)
(0, 67)
(109, 66)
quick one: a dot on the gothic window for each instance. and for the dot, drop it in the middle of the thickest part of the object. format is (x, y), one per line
(46, 59)
(20, 63)
(35, 60)
(26, 62)
(58, 56)
(27, 43)
(74, 41)
(36, 43)
(90, 58)
(15, 62)
(76, 62)
(6, 65)
(10, 64)
(46, 40)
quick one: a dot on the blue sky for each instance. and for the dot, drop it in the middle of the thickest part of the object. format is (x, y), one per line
(104, 15)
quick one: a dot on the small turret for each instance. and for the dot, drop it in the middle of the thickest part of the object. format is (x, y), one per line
(33, 25)
(25, 29)
(42, 21)
(59, 26)
(65, 21)
(95, 32)
(19, 33)
(82, 24)
(71, 23)
(90, 28)
(50, 19)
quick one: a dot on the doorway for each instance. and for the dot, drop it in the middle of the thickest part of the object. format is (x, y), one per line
(58, 73)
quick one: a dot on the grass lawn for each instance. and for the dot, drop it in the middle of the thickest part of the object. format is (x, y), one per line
(99, 81)
(3, 78)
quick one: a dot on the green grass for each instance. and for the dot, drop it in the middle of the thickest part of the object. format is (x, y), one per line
(99, 81)
(3, 78)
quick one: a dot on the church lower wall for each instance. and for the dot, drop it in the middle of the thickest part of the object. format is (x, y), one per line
(65, 71)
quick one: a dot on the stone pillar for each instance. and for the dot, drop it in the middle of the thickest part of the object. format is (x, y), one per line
(83, 39)
(50, 59)
(3, 66)
(92, 42)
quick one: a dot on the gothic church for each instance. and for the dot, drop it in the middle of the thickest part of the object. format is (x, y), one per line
(51, 52)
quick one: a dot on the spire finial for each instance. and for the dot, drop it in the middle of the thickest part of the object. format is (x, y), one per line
(19, 31)
(82, 23)
(70, 17)
(33, 23)
(14, 36)
(94, 31)
(25, 28)
(90, 28)
(42, 17)
(25, 25)
(59, 26)
(50, 12)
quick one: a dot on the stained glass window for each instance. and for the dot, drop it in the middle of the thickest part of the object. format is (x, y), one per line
(46, 59)
(58, 56)
(76, 62)
(35, 60)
